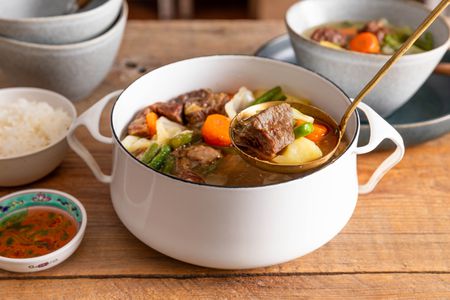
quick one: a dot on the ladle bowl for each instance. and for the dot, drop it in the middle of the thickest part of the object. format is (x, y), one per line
(310, 110)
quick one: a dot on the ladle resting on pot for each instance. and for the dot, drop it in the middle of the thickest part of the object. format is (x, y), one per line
(338, 130)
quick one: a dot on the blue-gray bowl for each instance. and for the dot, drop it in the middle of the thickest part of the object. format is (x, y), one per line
(352, 70)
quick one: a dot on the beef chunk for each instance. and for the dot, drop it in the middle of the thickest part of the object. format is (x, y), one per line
(202, 154)
(195, 106)
(172, 109)
(266, 133)
(193, 160)
(201, 103)
(377, 27)
(330, 35)
(138, 126)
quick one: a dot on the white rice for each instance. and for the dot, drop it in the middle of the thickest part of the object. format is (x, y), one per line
(28, 126)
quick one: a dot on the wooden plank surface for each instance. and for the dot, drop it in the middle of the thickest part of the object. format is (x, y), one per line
(397, 242)
(362, 286)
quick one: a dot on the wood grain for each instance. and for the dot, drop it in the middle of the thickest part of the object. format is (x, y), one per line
(396, 244)
(361, 286)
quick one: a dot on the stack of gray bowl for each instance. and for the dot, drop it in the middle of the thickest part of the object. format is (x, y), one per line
(49, 44)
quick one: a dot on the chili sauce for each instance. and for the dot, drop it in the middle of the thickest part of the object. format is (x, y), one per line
(35, 231)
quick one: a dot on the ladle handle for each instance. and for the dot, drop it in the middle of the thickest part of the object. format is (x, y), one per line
(399, 53)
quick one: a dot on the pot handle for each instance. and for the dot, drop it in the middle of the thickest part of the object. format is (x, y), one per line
(91, 120)
(379, 131)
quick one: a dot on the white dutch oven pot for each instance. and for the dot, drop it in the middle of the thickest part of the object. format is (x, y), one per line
(229, 227)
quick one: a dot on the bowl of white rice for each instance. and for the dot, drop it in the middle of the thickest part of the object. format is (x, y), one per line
(33, 127)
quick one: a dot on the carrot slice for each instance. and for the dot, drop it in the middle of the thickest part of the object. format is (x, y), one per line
(318, 133)
(151, 119)
(365, 42)
(350, 31)
(215, 130)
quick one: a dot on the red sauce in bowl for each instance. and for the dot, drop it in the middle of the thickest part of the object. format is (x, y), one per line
(35, 231)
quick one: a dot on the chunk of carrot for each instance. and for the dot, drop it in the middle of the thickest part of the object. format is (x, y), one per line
(151, 119)
(215, 130)
(350, 31)
(318, 133)
(365, 42)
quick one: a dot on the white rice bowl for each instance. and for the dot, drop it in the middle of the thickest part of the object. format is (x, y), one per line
(29, 126)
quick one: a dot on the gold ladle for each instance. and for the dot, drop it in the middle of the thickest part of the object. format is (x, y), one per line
(339, 130)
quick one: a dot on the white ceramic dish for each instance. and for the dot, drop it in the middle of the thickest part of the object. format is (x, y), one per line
(351, 70)
(73, 70)
(44, 21)
(26, 168)
(229, 227)
(43, 197)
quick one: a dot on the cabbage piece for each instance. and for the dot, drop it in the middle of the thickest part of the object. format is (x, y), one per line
(300, 151)
(297, 115)
(240, 101)
(291, 98)
(136, 144)
(139, 146)
(166, 130)
(129, 140)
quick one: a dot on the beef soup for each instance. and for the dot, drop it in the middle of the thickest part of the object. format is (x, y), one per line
(217, 225)
(189, 137)
(375, 37)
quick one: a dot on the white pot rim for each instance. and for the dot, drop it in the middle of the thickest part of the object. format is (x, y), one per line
(116, 136)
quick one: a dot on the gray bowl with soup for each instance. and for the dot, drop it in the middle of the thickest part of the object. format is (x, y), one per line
(334, 56)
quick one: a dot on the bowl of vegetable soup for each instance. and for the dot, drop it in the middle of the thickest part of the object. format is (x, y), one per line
(180, 186)
(348, 41)
(39, 229)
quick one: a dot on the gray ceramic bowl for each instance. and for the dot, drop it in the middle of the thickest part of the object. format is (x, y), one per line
(72, 70)
(352, 70)
(19, 9)
(28, 167)
(17, 21)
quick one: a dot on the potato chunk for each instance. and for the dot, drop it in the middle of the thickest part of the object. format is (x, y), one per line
(300, 151)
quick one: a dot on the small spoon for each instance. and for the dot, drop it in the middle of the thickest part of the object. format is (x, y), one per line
(339, 130)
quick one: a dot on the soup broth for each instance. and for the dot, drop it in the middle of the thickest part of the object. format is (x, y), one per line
(374, 37)
(35, 231)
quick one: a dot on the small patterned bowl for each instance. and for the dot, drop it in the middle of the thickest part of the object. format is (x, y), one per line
(50, 198)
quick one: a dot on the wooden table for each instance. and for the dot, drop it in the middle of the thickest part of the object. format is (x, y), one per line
(397, 243)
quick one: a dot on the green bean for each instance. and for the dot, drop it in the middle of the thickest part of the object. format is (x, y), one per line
(267, 96)
(159, 159)
(280, 96)
(181, 139)
(169, 164)
(303, 130)
(150, 153)
(425, 42)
